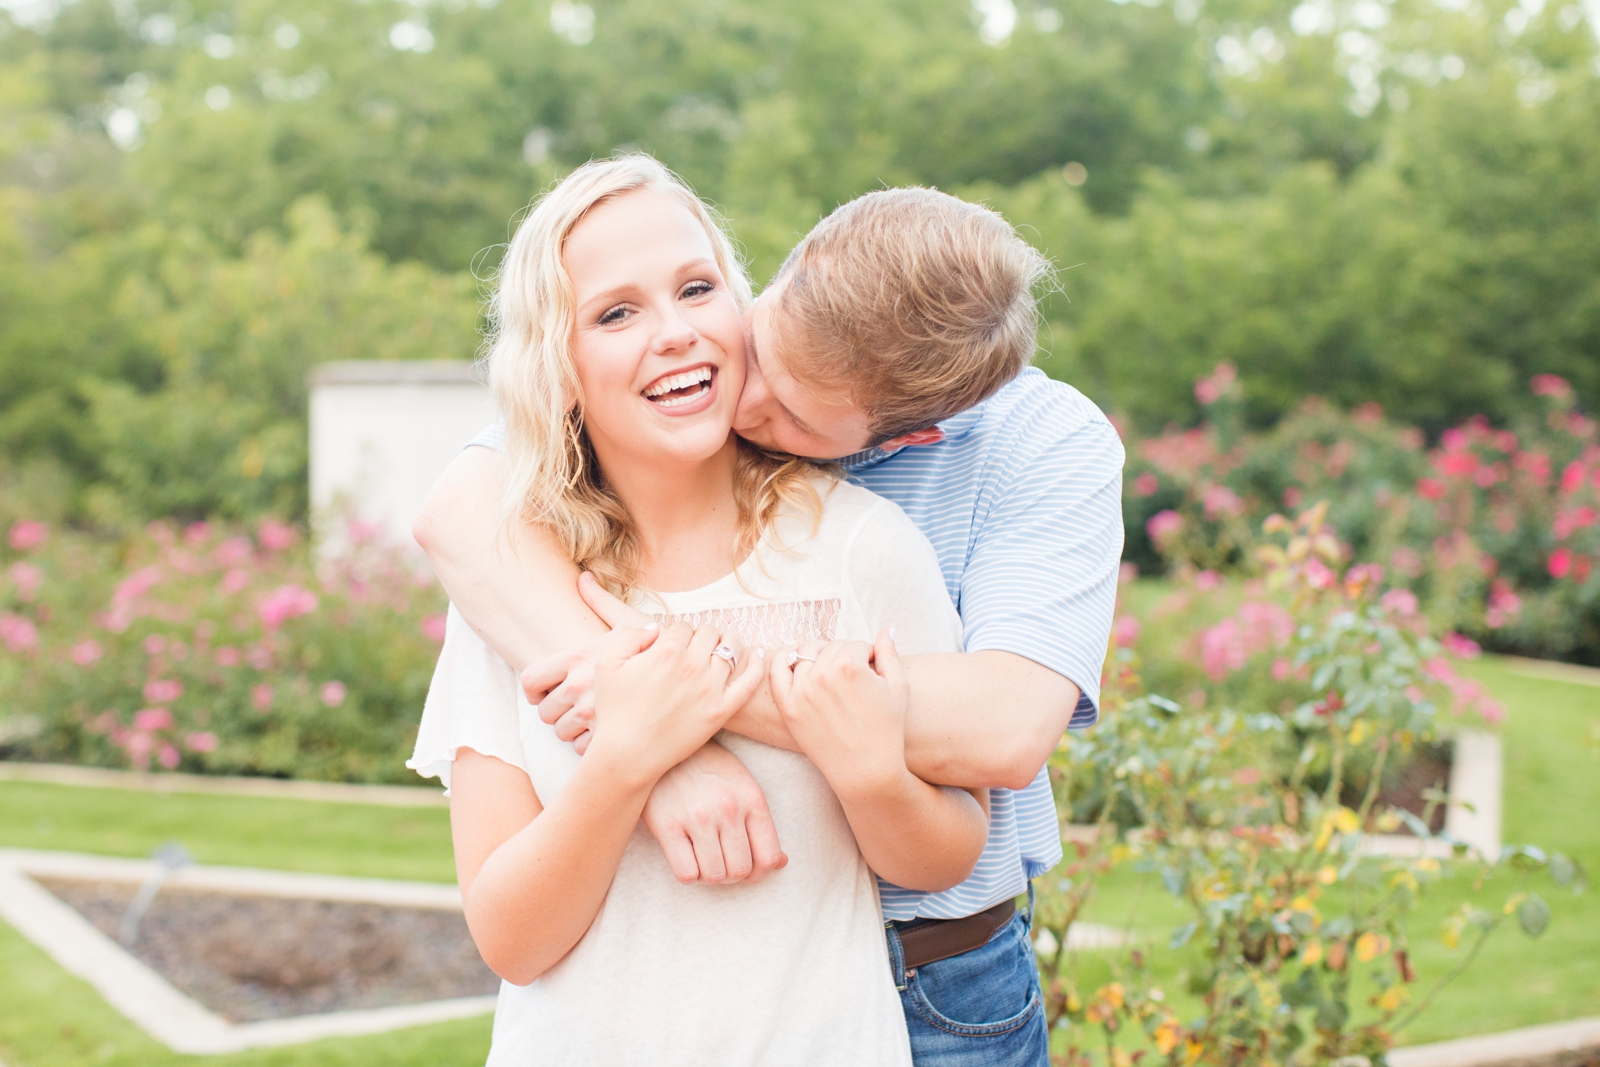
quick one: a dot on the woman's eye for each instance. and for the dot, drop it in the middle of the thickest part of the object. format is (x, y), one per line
(614, 316)
(694, 289)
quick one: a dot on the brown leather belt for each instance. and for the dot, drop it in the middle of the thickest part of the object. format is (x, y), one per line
(926, 941)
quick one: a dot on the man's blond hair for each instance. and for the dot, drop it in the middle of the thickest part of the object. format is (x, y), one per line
(917, 304)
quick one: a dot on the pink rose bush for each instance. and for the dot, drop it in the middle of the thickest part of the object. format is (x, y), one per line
(1493, 532)
(216, 649)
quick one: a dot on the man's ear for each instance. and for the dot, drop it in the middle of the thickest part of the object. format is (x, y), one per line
(932, 435)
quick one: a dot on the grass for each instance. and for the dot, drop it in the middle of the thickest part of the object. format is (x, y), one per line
(51, 1019)
(1552, 794)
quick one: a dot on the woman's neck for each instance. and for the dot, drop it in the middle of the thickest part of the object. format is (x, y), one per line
(685, 515)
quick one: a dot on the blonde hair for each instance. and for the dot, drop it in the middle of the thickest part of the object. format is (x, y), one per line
(917, 304)
(554, 479)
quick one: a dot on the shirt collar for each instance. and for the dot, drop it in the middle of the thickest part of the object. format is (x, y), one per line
(955, 427)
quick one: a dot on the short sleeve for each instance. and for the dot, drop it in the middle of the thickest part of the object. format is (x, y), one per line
(472, 703)
(1042, 578)
(896, 578)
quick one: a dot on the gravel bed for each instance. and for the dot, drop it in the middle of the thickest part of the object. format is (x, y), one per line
(250, 958)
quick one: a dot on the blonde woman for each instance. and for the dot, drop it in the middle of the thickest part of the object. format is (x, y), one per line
(617, 362)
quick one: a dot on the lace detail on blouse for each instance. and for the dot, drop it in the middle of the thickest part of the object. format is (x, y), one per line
(770, 625)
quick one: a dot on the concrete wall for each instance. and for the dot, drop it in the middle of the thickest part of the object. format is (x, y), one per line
(382, 432)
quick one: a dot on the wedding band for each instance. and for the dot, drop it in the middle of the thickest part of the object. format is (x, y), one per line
(796, 657)
(726, 652)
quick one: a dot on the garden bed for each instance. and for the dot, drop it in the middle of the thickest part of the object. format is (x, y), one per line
(253, 958)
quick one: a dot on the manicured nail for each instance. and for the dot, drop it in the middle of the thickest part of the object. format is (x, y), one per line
(761, 653)
(652, 626)
(891, 633)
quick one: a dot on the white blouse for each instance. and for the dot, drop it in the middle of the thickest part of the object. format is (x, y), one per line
(791, 971)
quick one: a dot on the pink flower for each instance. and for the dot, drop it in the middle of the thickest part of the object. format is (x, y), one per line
(152, 719)
(275, 536)
(1146, 484)
(137, 744)
(1572, 477)
(1210, 390)
(226, 656)
(1406, 561)
(1457, 464)
(1220, 501)
(1163, 525)
(1551, 385)
(155, 644)
(1281, 668)
(196, 533)
(1125, 631)
(433, 628)
(27, 579)
(1127, 573)
(169, 757)
(260, 658)
(1402, 602)
(1221, 650)
(1430, 489)
(1492, 710)
(284, 603)
(332, 693)
(163, 691)
(27, 535)
(85, 653)
(234, 551)
(1415, 694)
(135, 585)
(234, 580)
(1536, 465)
(102, 723)
(1488, 474)
(1206, 581)
(18, 633)
(1560, 562)
(261, 697)
(1292, 497)
(1318, 575)
(202, 741)
(1460, 647)
(1440, 668)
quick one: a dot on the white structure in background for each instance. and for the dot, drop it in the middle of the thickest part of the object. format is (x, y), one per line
(382, 433)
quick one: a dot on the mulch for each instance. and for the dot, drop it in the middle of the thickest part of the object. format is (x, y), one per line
(251, 958)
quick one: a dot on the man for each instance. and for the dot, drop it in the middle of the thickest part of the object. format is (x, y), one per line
(892, 341)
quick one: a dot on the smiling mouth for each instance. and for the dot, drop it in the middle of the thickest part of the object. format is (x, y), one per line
(681, 388)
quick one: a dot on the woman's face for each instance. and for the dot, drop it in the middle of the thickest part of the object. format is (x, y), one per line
(659, 342)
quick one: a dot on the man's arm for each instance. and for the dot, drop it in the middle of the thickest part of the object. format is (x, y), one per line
(515, 587)
(519, 591)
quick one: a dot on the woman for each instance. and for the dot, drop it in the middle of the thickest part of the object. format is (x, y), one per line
(617, 361)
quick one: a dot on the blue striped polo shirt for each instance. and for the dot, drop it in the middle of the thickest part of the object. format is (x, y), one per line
(1022, 500)
(1023, 503)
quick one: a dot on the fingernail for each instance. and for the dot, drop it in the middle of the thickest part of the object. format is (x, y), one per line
(652, 626)
(891, 633)
(761, 653)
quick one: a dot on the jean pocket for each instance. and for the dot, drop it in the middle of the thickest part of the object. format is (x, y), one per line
(938, 1019)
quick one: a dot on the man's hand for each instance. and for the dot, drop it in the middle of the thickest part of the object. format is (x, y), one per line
(712, 821)
(845, 703)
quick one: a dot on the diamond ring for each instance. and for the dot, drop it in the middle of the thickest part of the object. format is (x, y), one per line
(725, 651)
(796, 657)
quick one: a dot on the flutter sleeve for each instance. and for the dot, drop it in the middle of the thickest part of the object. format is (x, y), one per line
(472, 703)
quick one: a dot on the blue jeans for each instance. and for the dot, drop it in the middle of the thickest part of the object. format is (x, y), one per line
(982, 1008)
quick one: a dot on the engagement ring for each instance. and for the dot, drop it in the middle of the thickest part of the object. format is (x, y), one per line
(725, 651)
(796, 657)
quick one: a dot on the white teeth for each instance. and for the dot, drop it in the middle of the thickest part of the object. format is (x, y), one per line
(679, 381)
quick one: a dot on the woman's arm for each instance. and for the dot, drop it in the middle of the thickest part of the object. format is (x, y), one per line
(847, 712)
(534, 875)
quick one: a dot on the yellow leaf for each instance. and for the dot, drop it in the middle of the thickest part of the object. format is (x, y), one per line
(1120, 1058)
(1369, 946)
(1346, 821)
(1358, 731)
(1073, 1003)
(1112, 993)
(1311, 952)
(1167, 1035)
(1328, 875)
(1191, 1052)
(1392, 998)
(1405, 878)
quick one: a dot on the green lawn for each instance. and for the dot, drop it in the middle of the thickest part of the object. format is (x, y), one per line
(1552, 797)
(50, 1018)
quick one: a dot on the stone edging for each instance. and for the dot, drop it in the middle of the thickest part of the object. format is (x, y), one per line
(159, 1008)
(1503, 1049)
(389, 796)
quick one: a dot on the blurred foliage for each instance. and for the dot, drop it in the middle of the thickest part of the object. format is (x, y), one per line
(1390, 200)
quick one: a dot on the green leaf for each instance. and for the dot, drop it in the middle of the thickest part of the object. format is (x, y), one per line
(1182, 934)
(1534, 915)
(1563, 870)
(1163, 703)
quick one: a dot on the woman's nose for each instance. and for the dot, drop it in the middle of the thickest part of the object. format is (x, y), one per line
(673, 334)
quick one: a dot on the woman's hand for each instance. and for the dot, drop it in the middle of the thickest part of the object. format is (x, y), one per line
(661, 699)
(845, 704)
